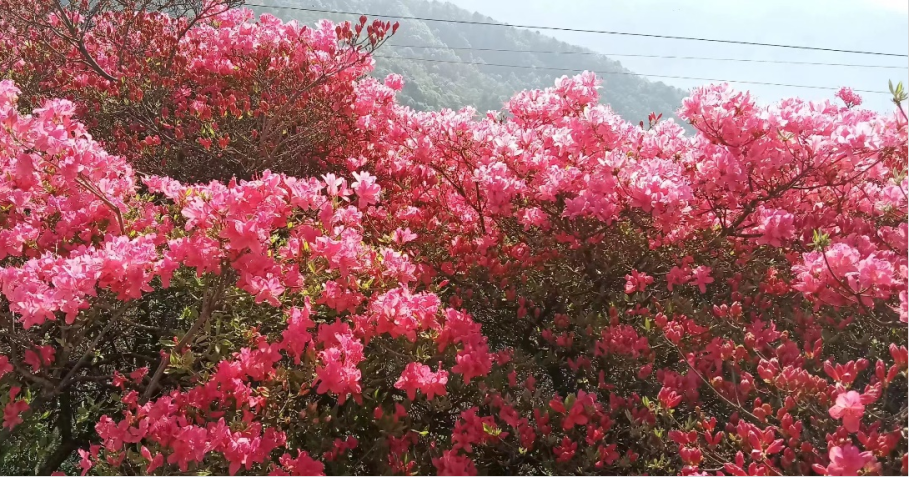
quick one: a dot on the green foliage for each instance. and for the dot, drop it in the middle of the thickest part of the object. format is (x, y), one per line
(898, 93)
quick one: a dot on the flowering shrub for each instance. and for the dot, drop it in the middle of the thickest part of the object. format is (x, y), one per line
(559, 291)
(205, 94)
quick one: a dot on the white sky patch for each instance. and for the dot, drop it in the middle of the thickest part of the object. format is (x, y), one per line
(896, 5)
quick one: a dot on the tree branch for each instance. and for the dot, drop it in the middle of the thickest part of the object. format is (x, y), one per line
(81, 180)
(68, 444)
(72, 372)
(209, 303)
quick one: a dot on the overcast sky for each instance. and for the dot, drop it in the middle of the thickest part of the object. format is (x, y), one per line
(870, 25)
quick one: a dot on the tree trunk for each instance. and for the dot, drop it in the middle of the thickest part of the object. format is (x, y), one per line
(68, 444)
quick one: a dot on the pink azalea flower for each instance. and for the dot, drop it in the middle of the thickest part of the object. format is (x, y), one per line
(302, 465)
(849, 408)
(31, 358)
(677, 276)
(13, 409)
(297, 337)
(453, 464)
(849, 97)
(702, 278)
(366, 188)
(402, 236)
(417, 376)
(637, 281)
(848, 460)
(85, 463)
(153, 462)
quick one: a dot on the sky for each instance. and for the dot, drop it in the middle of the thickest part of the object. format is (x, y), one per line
(868, 25)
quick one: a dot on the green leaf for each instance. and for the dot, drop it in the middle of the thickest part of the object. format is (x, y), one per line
(493, 431)
(570, 400)
(820, 240)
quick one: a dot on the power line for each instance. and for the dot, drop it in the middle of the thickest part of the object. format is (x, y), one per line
(562, 52)
(628, 74)
(579, 30)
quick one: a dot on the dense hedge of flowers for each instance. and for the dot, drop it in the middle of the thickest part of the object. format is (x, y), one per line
(230, 252)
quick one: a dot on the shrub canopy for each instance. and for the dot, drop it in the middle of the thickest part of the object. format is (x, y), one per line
(224, 249)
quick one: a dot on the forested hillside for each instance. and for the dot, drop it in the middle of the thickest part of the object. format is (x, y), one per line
(444, 82)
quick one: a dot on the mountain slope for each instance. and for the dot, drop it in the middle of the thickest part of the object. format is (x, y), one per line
(444, 82)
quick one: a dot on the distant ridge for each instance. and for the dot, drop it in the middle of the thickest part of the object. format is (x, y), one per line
(435, 85)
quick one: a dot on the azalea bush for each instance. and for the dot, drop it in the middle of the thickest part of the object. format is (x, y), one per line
(202, 94)
(225, 250)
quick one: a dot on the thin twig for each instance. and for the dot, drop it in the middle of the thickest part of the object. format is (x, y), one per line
(83, 181)
(72, 372)
(724, 398)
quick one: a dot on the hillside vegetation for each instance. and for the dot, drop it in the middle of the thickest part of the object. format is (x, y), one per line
(440, 84)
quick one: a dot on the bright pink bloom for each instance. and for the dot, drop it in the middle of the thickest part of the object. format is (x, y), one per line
(303, 464)
(118, 379)
(565, 450)
(85, 462)
(578, 414)
(153, 462)
(849, 97)
(398, 266)
(702, 278)
(669, 398)
(189, 446)
(453, 464)
(402, 313)
(849, 408)
(637, 281)
(266, 289)
(775, 226)
(474, 360)
(13, 409)
(340, 297)
(338, 374)
(401, 237)
(138, 374)
(677, 276)
(419, 376)
(366, 188)
(335, 185)
(848, 460)
(297, 337)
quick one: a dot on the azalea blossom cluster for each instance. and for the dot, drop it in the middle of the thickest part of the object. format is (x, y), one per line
(203, 95)
(559, 291)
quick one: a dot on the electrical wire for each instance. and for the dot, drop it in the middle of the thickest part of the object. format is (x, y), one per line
(429, 60)
(581, 30)
(561, 52)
